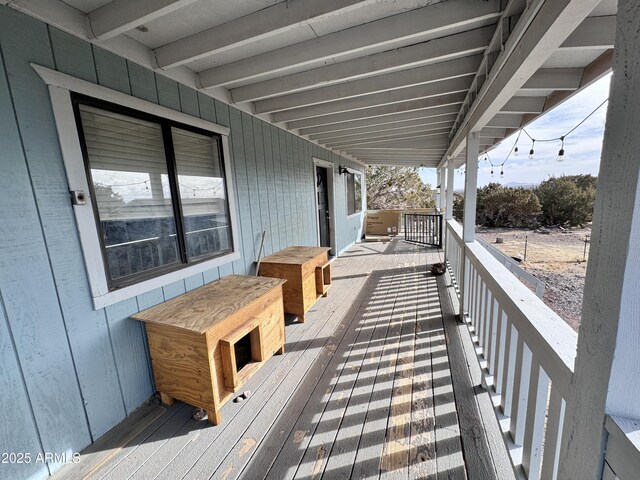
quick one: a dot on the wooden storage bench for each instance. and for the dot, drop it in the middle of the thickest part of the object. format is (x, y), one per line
(308, 274)
(205, 344)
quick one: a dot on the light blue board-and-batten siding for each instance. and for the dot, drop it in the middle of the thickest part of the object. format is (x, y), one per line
(68, 372)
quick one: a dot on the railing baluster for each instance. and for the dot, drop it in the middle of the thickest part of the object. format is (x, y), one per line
(500, 352)
(520, 391)
(553, 435)
(490, 334)
(478, 305)
(486, 311)
(534, 425)
(509, 368)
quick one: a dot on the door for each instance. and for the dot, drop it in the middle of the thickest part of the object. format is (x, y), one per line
(324, 218)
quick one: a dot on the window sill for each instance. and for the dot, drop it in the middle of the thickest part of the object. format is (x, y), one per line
(145, 286)
(354, 215)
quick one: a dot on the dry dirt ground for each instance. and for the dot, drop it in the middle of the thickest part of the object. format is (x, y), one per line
(555, 258)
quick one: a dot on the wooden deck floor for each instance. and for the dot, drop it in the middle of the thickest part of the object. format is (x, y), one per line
(363, 391)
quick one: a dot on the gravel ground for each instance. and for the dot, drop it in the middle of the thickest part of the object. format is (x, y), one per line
(556, 258)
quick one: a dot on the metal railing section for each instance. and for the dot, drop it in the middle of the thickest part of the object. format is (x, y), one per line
(423, 228)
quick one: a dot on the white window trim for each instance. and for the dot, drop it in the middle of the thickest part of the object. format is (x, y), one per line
(346, 194)
(60, 86)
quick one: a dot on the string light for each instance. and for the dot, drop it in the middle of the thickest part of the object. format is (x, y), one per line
(533, 144)
(501, 165)
(560, 157)
(561, 152)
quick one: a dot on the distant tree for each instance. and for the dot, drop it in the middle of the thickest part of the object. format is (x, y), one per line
(397, 188)
(458, 208)
(567, 200)
(497, 206)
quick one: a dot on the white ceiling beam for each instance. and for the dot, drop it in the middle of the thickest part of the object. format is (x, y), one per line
(427, 144)
(399, 157)
(432, 19)
(253, 27)
(505, 121)
(427, 53)
(381, 83)
(120, 16)
(385, 150)
(554, 79)
(405, 127)
(545, 27)
(422, 104)
(522, 105)
(392, 162)
(428, 90)
(489, 132)
(440, 135)
(386, 121)
(593, 32)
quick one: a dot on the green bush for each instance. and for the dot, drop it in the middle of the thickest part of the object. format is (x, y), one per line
(567, 200)
(498, 206)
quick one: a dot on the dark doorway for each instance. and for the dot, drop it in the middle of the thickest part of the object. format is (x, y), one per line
(323, 207)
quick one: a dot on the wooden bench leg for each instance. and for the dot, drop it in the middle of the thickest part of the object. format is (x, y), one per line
(325, 294)
(301, 317)
(166, 399)
(280, 351)
(214, 417)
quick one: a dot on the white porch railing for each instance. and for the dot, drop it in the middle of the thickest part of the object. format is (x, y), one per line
(526, 350)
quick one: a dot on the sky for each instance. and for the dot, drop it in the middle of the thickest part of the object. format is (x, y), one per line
(582, 147)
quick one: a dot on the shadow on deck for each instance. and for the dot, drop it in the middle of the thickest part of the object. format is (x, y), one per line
(365, 390)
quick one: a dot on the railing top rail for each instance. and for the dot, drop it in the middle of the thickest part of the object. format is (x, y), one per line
(550, 339)
(623, 447)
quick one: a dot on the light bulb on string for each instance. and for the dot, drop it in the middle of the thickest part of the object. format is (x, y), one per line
(532, 151)
(515, 151)
(560, 157)
(492, 171)
(501, 171)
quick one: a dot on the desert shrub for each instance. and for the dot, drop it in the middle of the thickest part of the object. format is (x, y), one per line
(508, 207)
(567, 200)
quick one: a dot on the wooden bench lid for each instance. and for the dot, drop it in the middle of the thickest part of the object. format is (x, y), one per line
(200, 309)
(295, 255)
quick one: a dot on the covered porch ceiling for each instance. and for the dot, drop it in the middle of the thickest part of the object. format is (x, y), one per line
(383, 82)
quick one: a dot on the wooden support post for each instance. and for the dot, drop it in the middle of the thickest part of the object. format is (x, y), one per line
(449, 201)
(470, 187)
(607, 371)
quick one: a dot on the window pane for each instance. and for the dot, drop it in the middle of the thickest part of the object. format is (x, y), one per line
(357, 193)
(354, 193)
(129, 173)
(202, 192)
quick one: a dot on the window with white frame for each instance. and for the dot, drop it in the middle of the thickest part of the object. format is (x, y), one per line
(159, 191)
(354, 193)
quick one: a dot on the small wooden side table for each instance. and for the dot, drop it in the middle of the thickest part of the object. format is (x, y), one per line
(308, 274)
(205, 344)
